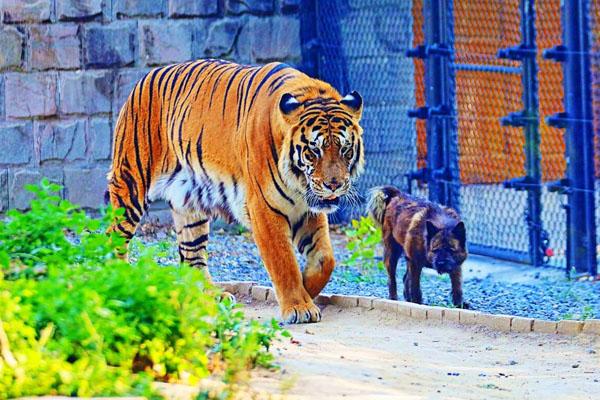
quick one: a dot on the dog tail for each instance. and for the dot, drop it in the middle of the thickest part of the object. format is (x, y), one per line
(379, 198)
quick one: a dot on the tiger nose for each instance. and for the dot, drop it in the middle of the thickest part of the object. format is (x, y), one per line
(333, 184)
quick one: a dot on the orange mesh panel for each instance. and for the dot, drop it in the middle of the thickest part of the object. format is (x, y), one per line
(550, 90)
(419, 38)
(489, 152)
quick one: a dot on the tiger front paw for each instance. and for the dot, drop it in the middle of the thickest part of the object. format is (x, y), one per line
(300, 313)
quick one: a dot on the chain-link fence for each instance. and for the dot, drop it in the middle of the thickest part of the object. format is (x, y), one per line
(361, 47)
(511, 163)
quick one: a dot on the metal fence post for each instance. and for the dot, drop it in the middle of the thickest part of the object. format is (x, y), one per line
(441, 172)
(574, 54)
(527, 118)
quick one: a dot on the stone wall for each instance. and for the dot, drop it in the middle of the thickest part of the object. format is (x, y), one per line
(67, 66)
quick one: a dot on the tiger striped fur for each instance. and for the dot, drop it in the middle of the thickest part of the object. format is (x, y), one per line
(266, 146)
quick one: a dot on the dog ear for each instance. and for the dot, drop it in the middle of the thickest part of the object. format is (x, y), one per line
(460, 233)
(432, 230)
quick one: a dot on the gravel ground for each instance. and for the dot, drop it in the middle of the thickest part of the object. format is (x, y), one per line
(547, 294)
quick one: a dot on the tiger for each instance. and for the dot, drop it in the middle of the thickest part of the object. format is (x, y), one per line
(266, 146)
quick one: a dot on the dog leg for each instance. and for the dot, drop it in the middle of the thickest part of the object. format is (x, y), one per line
(391, 254)
(414, 272)
(457, 294)
(406, 281)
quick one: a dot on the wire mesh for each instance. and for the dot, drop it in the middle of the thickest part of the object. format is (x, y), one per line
(594, 23)
(551, 92)
(362, 48)
(418, 39)
(488, 88)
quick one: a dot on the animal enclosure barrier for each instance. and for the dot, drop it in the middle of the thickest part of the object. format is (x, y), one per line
(490, 106)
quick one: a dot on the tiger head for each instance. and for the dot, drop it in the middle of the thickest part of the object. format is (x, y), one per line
(323, 149)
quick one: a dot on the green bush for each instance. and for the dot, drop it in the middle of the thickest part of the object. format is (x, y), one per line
(363, 238)
(77, 320)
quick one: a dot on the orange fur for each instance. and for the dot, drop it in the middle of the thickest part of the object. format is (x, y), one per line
(267, 146)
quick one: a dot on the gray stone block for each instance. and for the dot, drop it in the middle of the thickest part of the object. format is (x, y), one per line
(3, 190)
(100, 138)
(109, 45)
(200, 29)
(19, 197)
(192, 8)
(221, 37)
(29, 95)
(124, 84)
(1, 97)
(54, 46)
(88, 92)
(259, 7)
(67, 10)
(165, 42)
(86, 187)
(16, 143)
(266, 39)
(26, 10)
(11, 48)
(138, 8)
(63, 140)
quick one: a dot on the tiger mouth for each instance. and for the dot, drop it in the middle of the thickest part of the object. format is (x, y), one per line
(328, 202)
(327, 205)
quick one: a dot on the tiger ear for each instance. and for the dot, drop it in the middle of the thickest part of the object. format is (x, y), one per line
(354, 102)
(288, 104)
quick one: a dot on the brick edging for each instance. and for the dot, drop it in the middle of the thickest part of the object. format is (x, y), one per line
(497, 322)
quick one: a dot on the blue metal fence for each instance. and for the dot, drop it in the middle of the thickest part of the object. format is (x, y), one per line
(490, 151)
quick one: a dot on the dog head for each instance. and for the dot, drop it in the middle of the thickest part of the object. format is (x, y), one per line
(446, 246)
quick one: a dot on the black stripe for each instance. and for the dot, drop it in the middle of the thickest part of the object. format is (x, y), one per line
(195, 224)
(194, 243)
(306, 240)
(275, 210)
(231, 79)
(278, 82)
(273, 71)
(216, 84)
(199, 151)
(297, 226)
(125, 232)
(311, 248)
(279, 189)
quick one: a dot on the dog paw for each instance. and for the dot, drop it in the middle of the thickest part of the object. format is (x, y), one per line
(301, 313)
(464, 306)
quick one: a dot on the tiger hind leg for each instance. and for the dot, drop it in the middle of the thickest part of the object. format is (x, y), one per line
(192, 229)
(132, 199)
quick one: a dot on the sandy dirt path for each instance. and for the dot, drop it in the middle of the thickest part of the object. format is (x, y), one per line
(366, 354)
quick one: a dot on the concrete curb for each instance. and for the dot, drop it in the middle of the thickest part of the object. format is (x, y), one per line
(496, 322)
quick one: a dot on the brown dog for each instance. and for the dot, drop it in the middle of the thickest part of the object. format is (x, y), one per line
(429, 235)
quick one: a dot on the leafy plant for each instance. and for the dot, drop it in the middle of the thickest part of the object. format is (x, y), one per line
(75, 319)
(363, 238)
